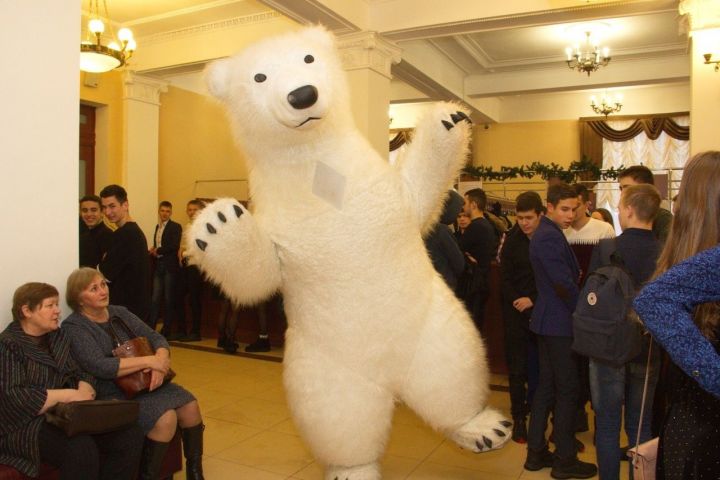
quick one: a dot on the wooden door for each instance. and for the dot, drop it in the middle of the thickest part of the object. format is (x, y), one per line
(87, 150)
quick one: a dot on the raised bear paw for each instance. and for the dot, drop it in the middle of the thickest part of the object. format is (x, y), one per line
(441, 136)
(227, 244)
(212, 223)
(488, 430)
(456, 117)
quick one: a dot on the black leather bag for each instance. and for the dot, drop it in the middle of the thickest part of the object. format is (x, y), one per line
(90, 417)
(133, 384)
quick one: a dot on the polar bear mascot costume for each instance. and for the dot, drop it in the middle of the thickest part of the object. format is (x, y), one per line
(337, 230)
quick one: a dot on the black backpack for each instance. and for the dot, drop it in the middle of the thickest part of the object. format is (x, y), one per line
(605, 326)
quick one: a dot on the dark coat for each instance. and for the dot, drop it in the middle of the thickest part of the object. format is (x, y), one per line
(26, 373)
(93, 245)
(517, 275)
(446, 256)
(556, 278)
(127, 267)
(168, 252)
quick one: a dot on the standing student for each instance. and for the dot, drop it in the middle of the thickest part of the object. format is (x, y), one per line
(479, 243)
(681, 311)
(442, 247)
(583, 235)
(617, 389)
(556, 278)
(166, 243)
(638, 175)
(126, 264)
(95, 236)
(518, 298)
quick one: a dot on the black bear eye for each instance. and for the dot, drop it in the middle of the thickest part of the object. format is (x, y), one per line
(260, 77)
(309, 59)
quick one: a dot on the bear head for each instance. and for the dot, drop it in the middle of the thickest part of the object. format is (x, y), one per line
(284, 90)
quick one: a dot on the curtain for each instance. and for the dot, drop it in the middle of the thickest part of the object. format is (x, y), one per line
(657, 143)
(400, 139)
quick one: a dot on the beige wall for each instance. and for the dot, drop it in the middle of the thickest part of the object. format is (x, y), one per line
(196, 145)
(107, 97)
(38, 145)
(514, 144)
(521, 143)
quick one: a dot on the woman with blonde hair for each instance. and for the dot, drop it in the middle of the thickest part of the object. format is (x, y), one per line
(681, 310)
(165, 405)
(38, 373)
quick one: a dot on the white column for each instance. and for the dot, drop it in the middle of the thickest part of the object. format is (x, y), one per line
(367, 59)
(38, 145)
(704, 20)
(141, 102)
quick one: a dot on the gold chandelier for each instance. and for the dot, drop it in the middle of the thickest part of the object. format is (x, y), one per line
(606, 106)
(96, 57)
(590, 59)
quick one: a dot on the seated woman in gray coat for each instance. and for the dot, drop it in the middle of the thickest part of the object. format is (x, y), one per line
(164, 406)
(38, 372)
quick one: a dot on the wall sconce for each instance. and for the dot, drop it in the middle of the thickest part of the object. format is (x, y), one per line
(710, 61)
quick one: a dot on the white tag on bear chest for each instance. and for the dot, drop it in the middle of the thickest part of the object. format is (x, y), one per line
(329, 184)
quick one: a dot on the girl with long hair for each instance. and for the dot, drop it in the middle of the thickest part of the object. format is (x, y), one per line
(681, 310)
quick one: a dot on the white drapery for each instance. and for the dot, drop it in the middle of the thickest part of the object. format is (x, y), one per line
(664, 153)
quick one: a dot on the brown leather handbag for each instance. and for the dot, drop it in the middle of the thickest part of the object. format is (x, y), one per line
(135, 383)
(90, 417)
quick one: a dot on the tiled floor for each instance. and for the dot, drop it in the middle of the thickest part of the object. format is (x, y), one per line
(250, 434)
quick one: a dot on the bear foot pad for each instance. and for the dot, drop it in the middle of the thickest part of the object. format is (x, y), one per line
(488, 430)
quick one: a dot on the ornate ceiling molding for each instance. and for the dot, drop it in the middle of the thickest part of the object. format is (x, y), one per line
(229, 23)
(143, 89)
(701, 14)
(368, 50)
(308, 12)
(542, 17)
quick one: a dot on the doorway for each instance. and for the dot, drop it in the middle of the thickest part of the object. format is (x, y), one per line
(87, 151)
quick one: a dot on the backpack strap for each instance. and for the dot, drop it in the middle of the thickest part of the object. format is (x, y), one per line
(610, 256)
(608, 249)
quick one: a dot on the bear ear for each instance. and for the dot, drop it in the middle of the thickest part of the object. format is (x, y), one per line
(217, 78)
(321, 35)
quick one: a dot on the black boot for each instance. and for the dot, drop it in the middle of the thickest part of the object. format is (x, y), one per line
(152, 458)
(193, 449)
(519, 431)
(538, 460)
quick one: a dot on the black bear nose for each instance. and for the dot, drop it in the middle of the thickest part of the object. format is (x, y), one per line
(303, 97)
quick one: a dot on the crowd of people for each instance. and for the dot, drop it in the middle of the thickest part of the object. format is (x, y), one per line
(154, 281)
(545, 259)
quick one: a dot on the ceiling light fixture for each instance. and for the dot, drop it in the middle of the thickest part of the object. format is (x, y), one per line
(606, 107)
(710, 61)
(96, 57)
(590, 59)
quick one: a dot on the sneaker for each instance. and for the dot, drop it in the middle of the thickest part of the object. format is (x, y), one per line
(572, 468)
(538, 460)
(259, 345)
(519, 431)
(230, 347)
(221, 341)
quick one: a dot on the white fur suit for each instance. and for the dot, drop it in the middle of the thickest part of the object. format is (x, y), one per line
(338, 231)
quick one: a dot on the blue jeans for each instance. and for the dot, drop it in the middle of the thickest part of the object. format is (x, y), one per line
(611, 388)
(163, 291)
